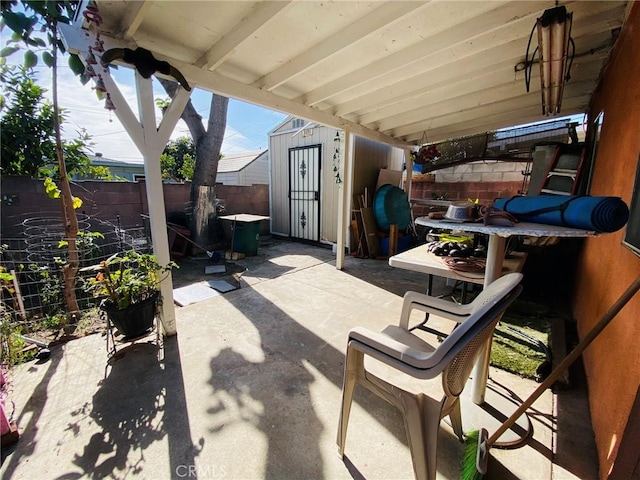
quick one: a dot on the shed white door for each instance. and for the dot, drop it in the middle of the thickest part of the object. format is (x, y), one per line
(304, 192)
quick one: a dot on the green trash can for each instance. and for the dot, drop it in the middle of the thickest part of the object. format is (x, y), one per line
(246, 237)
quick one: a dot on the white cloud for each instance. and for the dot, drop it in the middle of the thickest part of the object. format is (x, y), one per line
(84, 110)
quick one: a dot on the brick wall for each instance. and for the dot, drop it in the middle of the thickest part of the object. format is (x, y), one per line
(23, 197)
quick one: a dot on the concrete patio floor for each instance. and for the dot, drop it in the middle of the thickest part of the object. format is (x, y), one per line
(250, 388)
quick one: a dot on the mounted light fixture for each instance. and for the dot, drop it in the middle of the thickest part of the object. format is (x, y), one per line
(554, 40)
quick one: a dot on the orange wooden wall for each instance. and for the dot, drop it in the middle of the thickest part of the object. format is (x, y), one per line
(607, 267)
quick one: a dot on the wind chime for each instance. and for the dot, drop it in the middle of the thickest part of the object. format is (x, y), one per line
(94, 19)
(336, 157)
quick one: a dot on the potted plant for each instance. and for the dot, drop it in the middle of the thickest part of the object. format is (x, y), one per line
(130, 283)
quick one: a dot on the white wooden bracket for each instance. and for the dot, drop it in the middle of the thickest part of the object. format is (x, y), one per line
(150, 140)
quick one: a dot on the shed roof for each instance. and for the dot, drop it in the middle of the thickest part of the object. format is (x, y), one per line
(106, 162)
(388, 70)
(236, 162)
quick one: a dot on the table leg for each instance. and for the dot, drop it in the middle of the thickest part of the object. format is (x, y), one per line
(493, 270)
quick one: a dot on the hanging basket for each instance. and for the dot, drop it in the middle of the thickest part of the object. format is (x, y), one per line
(426, 153)
(134, 320)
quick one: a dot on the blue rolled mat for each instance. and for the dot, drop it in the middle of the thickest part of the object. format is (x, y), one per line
(602, 214)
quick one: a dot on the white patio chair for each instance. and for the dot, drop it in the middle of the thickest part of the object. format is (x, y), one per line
(452, 359)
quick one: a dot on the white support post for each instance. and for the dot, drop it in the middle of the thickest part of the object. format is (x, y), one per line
(349, 161)
(148, 138)
(343, 199)
(155, 197)
(408, 163)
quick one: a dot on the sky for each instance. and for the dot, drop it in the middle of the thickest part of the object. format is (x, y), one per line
(247, 125)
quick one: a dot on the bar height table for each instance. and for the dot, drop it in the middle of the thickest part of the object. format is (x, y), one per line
(495, 259)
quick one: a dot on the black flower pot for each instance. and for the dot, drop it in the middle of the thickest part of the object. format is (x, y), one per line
(134, 320)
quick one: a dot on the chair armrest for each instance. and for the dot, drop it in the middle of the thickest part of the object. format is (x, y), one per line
(434, 305)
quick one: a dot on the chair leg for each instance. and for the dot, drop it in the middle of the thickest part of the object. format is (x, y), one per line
(456, 420)
(353, 367)
(414, 427)
(422, 423)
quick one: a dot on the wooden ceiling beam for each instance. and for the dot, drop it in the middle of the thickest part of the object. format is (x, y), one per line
(527, 112)
(580, 79)
(514, 104)
(481, 45)
(260, 14)
(133, 17)
(400, 61)
(372, 96)
(424, 94)
(361, 28)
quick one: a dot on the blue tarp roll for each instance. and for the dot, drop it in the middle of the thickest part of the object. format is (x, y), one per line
(602, 214)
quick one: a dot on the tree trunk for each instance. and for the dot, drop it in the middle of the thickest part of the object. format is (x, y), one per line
(208, 142)
(69, 218)
(204, 213)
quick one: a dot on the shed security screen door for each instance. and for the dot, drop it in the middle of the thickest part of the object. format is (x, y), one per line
(304, 192)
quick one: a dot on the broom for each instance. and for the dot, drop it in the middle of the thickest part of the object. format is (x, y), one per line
(478, 443)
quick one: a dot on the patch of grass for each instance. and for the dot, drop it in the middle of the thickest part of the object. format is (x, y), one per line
(515, 353)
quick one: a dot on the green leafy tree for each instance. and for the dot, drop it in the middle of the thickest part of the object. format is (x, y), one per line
(29, 22)
(178, 159)
(27, 122)
(28, 136)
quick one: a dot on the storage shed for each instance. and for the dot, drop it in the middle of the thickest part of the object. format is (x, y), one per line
(247, 168)
(305, 184)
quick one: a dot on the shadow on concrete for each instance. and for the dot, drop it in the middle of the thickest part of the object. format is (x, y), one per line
(394, 280)
(24, 448)
(575, 439)
(288, 380)
(274, 395)
(140, 401)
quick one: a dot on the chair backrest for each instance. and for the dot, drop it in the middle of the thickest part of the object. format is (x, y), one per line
(456, 373)
(497, 287)
(489, 312)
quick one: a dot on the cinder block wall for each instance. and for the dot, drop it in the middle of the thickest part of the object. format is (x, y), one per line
(484, 181)
(24, 197)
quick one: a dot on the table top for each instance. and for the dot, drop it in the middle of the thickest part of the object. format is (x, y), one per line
(419, 259)
(520, 228)
(244, 217)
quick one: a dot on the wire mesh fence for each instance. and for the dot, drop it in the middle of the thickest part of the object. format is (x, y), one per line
(32, 266)
(513, 144)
